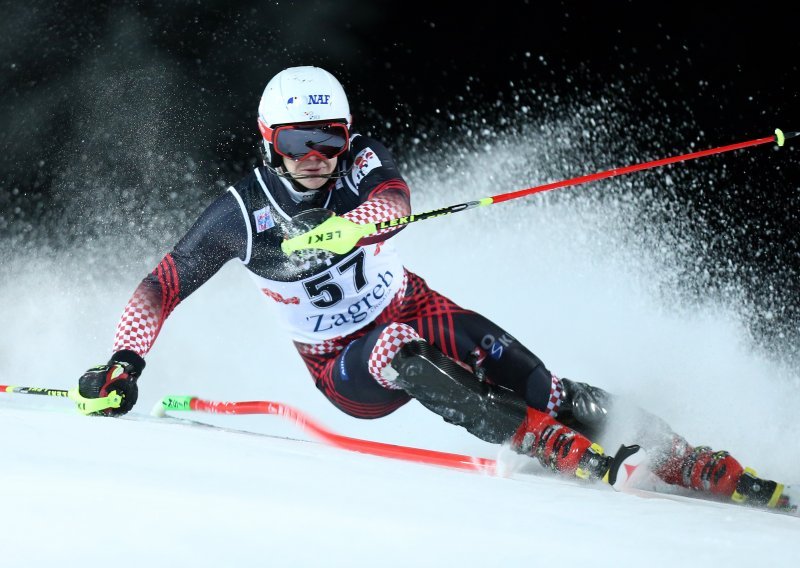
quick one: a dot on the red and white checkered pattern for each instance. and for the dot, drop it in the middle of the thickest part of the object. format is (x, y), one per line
(387, 205)
(328, 346)
(391, 339)
(140, 323)
(556, 392)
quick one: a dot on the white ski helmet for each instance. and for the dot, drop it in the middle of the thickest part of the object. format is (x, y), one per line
(297, 95)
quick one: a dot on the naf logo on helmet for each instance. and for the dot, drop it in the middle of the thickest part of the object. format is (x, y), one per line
(311, 100)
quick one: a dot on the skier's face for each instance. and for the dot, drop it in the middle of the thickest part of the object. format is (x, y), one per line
(311, 172)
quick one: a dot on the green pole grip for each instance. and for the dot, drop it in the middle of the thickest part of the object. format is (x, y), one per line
(337, 235)
(177, 402)
(92, 405)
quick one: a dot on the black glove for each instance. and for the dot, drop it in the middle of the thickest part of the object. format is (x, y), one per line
(120, 374)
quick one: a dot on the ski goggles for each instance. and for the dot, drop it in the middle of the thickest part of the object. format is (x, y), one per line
(300, 142)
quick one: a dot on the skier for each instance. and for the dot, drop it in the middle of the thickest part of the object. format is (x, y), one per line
(372, 333)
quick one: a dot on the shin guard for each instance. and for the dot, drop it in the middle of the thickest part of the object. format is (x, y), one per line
(443, 386)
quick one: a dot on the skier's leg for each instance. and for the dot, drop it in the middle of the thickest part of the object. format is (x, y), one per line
(363, 380)
(358, 380)
(447, 388)
(400, 358)
(345, 380)
(497, 415)
(594, 412)
(598, 415)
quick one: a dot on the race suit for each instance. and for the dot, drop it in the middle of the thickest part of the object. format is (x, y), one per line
(339, 310)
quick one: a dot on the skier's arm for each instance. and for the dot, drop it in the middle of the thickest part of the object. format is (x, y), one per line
(389, 200)
(219, 235)
(383, 192)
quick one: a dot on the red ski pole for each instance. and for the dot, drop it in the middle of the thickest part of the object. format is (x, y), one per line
(340, 235)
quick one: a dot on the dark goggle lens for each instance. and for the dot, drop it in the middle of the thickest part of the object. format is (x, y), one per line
(328, 140)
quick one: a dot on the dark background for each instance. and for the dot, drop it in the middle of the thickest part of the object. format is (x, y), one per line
(731, 65)
(113, 110)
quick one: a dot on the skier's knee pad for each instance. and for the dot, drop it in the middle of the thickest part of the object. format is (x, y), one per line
(593, 411)
(389, 342)
(586, 404)
(451, 391)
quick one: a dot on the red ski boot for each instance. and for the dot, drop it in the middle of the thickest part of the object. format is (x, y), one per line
(721, 476)
(700, 468)
(560, 448)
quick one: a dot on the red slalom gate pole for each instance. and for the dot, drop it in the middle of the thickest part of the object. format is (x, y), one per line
(306, 423)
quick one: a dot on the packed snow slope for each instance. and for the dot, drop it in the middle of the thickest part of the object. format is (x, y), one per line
(93, 492)
(576, 276)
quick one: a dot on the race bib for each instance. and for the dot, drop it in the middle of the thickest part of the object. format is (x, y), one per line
(339, 301)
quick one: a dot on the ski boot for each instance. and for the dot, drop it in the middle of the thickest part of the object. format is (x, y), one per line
(720, 476)
(699, 468)
(563, 450)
